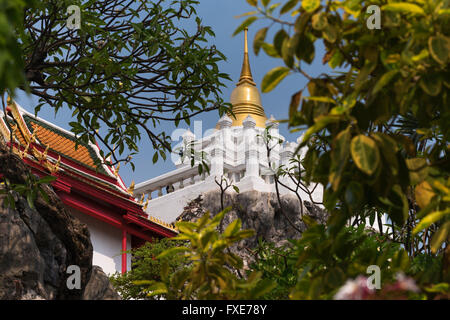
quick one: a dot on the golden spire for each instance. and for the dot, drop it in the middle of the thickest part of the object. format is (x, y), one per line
(245, 97)
(246, 72)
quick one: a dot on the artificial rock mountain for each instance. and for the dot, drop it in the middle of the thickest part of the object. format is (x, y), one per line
(259, 211)
(37, 245)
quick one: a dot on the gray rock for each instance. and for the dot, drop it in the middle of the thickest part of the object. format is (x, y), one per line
(37, 245)
(259, 211)
(99, 287)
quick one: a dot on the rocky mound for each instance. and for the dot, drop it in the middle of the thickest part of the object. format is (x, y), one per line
(38, 244)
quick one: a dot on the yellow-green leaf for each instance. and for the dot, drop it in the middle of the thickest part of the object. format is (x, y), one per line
(404, 7)
(172, 251)
(418, 169)
(431, 84)
(232, 228)
(365, 154)
(424, 193)
(440, 236)
(320, 123)
(329, 33)
(258, 40)
(244, 25)
(430, 219)
(321, 99)
(384, 80)
(439, 47)
(310, 5)
(339, 155)
(273, 78)
(319, 21)
(295, 101)
(270, 50)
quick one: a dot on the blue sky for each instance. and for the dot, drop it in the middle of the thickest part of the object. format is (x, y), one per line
(221, 16)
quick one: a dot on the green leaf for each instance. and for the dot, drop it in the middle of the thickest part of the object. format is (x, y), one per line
(232, 228)
(310, 5)
(388, 148)
(304, 48)
(418, 170)
(319, 21)
(424, 193)
(172, 251)
(30, 200)
(400, 208)
(339, 155)
(321, 99)
(288, 6)
(244, 25)
(429, 219)
(404, 7)
(364, 73)
(258, 40)
(295, 101)
(365, 154)
(336, 59)
(329, 33)
(279, 39)
(439, 287)
(273, 78)
(384, 80)
(270, 50)
(320, 123)
(440, 236)
(253, 3)
(46, 179)
(287, 51)
(431, 84)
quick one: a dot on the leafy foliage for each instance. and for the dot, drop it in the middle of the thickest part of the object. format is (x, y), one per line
(145, 266)
(276, 263)
(212, 268)
(377, 129)
(29, 190)
(12, 73)
(128, 68)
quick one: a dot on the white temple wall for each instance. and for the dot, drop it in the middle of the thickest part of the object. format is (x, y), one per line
(106, 242)
(169, 206)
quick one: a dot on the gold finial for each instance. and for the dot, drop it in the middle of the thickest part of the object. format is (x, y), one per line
(246, 73)
(58, 162)
(116, 171)
(33, 137)
(142, 199)
(131, 188)
(46, 151)
(145, 205)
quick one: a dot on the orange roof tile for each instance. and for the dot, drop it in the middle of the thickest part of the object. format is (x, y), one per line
(63, 145)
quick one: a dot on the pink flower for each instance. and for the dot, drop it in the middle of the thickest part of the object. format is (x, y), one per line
(404, 283)
(354, 290)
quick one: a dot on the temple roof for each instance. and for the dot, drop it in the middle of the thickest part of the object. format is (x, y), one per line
(64, 144)
(54, 149)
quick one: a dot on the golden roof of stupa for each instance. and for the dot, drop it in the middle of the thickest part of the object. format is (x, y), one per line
(245, 98)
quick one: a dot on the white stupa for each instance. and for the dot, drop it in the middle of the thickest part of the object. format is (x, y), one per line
(235, 150)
